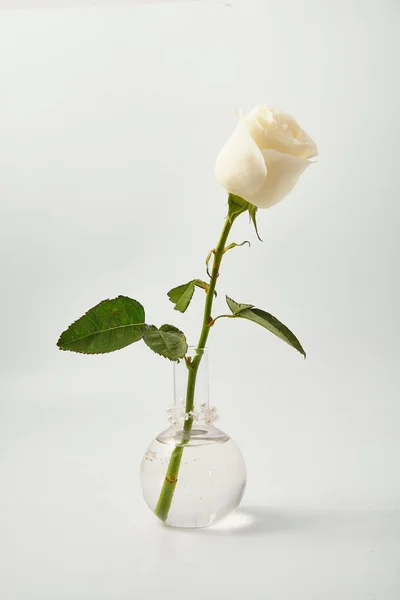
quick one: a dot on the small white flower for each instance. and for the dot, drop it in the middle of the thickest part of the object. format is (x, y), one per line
(209, 414)
(177, 414)
(150, 455)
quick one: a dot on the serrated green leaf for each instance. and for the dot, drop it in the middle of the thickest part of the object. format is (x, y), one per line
(168, 341)
(236, 206)
(235, 307)
(267, 321)
(252, 212)
(182, 295)
(108, 326)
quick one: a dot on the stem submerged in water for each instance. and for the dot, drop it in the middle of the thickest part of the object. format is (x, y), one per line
(171, 478)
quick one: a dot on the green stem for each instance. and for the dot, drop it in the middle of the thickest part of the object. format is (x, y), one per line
(171, 478)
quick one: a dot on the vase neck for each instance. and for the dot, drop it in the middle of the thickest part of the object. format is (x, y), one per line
(201, 412)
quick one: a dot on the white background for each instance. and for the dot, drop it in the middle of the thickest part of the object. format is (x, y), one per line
(110, 122)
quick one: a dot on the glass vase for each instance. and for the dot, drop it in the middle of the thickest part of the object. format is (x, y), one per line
(193, 473)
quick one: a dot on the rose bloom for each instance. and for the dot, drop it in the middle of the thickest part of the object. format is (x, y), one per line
(265, 156)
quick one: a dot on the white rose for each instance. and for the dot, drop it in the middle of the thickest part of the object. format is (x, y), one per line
(265, 156)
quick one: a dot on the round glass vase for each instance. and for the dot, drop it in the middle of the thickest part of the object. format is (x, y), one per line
(192, 474)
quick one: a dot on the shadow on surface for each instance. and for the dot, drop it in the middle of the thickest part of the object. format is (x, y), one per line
(256, 520)
(259, 520)
(266, 520)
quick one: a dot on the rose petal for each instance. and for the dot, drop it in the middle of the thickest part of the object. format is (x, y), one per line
(283, 172)
(273, 129)
(240, 167)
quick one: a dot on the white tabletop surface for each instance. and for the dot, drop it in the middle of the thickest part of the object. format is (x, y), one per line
(74, 526)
